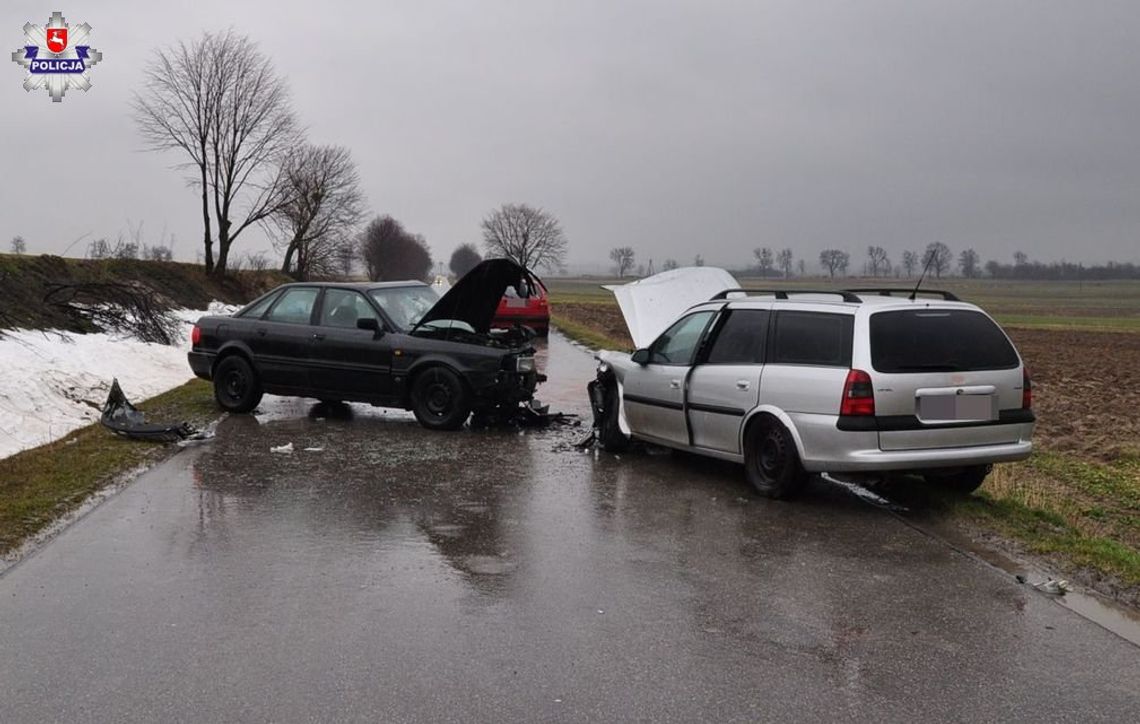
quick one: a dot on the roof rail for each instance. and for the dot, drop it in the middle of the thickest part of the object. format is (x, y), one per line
(783, 293)
(890, 291)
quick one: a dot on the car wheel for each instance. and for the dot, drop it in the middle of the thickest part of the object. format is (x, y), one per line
(771, 462)
(611, 437)
(543, 331)
(964, 481)
(236, 387)
(440, 401)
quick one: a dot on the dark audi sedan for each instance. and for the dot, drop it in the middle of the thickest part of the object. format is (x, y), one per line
(391, 344)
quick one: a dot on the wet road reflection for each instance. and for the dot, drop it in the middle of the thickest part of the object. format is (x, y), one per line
(381, 572)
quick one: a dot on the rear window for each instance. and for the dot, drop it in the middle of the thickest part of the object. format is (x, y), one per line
(812, 338)
(256, 309)
(938, 340)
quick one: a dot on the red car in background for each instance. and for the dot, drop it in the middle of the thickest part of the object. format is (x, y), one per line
(532, 311)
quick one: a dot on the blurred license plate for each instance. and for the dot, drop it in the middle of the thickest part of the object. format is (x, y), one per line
(957, 407)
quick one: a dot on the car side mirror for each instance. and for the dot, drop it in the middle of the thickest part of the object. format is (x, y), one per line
(370, 323)
(641, 356)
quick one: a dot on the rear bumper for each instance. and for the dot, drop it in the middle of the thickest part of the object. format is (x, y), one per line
(825, 448)
(873, 460)
(502, 321)
(201, 363)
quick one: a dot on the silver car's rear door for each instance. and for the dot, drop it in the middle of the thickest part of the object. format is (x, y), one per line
(725, 383)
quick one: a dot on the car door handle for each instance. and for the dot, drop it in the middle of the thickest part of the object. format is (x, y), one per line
(674, 384)
(743, 384)
(318, 336)
(261, 332)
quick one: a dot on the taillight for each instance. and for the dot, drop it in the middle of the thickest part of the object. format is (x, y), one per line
(858, 395)
(1026, 389)
(195, 335)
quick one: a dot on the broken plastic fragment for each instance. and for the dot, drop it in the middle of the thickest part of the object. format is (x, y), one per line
(286, 449)
(122, 418)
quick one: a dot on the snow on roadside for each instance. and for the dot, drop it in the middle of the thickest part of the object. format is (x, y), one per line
(53, 382)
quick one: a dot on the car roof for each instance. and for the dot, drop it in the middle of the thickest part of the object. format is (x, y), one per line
(834, 302)
(356, 285)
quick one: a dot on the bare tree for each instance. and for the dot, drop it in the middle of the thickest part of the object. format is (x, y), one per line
(391, 253)
(878, 260)
(784, 259)
(19, 246)
(158, 252)
(530, 236)
(802, 264)
(256, 261)
(937, 258)
(465, 258)
(669, 265)
(909, 262)
(219, 101)
(1020, 259)
(346, 252)
(764, 260)
(321, 204)
(968, 262)
(622, 256)
(698, 260)
(834, 260)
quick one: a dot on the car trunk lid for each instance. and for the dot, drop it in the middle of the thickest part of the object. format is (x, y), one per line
(942, 379)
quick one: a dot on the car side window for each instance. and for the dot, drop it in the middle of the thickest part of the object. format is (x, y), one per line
(295, 306)
(678, 344)
(342, 307)
(812, 338)
(741, 338)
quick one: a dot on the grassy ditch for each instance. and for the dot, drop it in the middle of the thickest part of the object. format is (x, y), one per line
(37, 486)
(1085, 514)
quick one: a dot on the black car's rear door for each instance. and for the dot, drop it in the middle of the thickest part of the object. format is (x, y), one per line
(346, 362)
(281, 341)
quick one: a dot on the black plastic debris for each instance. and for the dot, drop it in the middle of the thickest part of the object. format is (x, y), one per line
(122, 418)
(527, 415)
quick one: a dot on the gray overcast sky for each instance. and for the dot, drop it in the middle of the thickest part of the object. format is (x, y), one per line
(675, 128)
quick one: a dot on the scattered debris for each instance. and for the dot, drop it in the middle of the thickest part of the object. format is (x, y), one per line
(286, 449)
(312, 449)
(1054, 587)
(122, 418)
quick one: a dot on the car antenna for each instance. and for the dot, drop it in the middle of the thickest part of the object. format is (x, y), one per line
(925, 268)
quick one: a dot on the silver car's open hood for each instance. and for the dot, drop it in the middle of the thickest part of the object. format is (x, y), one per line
(651, 304)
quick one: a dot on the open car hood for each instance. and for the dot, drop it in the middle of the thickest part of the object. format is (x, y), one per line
(651, 304)
(475, 297)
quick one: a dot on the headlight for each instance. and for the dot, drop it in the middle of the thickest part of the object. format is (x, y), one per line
(524, 364)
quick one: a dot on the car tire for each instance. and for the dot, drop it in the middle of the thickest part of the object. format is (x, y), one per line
(771, 462)
(612, 439)
(963, 481)
(440, 400)
(236, 386)
(542, 332)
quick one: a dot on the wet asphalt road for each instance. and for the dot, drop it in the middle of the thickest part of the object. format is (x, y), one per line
(400, 575)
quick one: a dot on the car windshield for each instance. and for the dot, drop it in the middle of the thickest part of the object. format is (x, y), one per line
(405, 305)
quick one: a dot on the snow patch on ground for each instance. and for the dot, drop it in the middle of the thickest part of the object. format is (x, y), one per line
(53, 382)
